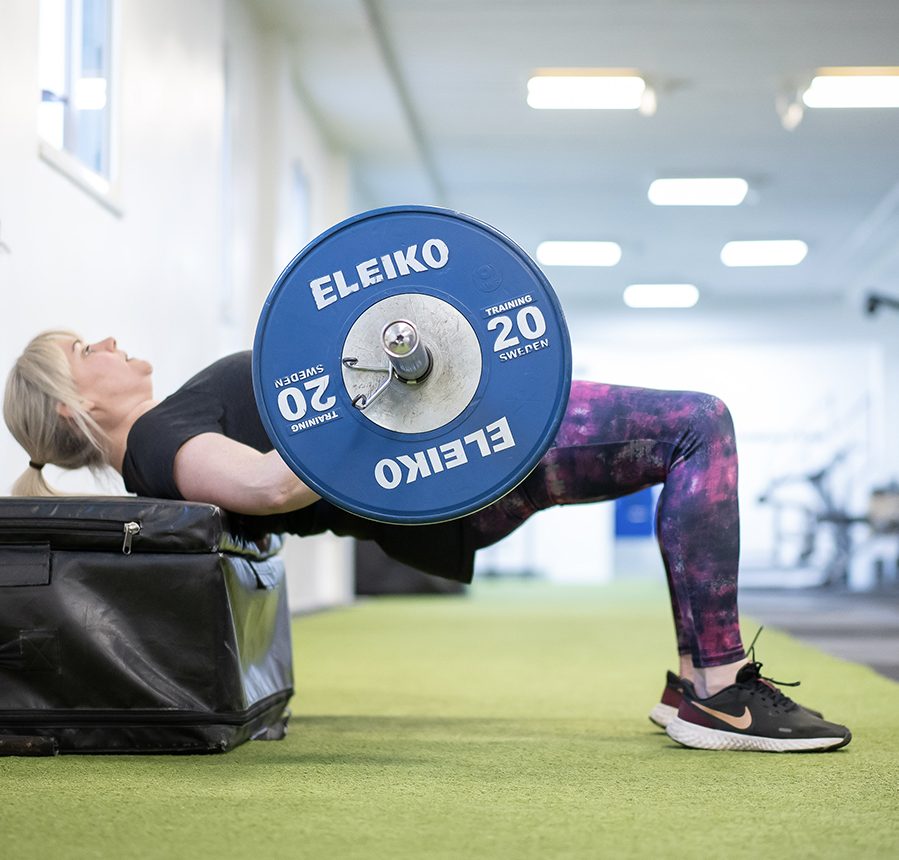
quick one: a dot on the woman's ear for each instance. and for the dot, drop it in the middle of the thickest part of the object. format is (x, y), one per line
(67, 412)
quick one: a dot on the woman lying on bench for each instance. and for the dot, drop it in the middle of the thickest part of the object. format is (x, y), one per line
(73, 404)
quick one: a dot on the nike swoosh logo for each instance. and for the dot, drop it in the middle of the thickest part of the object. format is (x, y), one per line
(741, 722)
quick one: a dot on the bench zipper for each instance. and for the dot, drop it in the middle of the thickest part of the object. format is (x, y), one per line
(131, 530)
(40, 527)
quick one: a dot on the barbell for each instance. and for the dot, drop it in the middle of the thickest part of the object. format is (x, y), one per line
(412, 364)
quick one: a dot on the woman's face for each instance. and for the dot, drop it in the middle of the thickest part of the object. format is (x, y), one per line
(101, 371)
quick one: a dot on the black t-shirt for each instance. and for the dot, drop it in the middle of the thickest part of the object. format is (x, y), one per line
(220, 399)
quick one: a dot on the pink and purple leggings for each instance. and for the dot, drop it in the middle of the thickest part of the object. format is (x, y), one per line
(616, 440)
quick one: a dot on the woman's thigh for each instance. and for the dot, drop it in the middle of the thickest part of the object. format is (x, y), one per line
(614, 440)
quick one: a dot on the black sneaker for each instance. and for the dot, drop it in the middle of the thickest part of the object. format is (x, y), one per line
(752, 714)
(672, 695)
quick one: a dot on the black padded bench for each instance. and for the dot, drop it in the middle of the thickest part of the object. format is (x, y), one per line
(132, 625)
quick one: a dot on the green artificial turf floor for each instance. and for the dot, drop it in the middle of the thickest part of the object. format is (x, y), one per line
(507, 723)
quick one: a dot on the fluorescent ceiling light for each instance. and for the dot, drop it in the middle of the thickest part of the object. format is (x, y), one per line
(854, 87)
(586, 89)
(661, 296)
(579, 253)
(779, 252)
(698, 192)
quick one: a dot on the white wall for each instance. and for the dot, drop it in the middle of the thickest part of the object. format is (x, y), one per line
(178, 273)
(272, 136)
(569, 544)
(150, 274)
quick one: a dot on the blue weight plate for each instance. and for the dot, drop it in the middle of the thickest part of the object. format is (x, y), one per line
(475, 427)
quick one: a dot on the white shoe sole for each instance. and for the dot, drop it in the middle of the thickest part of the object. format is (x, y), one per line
(661, 715)
(699, 737)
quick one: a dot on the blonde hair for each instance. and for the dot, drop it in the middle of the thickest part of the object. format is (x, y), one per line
(38, 384)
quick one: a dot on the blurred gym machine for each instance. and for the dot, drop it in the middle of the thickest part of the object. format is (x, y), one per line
(883, 511)
(826, 514)
(822, 512)
(875, 301)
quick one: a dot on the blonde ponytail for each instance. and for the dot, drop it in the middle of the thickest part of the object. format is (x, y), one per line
(38, 384)
(32, 483)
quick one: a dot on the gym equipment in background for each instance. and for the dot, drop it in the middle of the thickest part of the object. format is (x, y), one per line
(875, 301)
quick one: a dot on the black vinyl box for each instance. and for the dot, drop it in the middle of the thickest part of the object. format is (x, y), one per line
(132, 625)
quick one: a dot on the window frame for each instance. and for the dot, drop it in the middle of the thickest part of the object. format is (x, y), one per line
(105, 190)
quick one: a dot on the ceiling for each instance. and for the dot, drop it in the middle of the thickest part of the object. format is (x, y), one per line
(427, 99)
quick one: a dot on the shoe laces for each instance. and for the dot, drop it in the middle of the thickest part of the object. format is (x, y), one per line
(751, 674)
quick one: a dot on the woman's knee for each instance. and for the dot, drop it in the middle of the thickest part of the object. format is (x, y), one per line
(710, 416)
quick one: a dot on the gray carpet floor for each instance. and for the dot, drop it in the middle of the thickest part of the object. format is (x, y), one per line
(862, 627)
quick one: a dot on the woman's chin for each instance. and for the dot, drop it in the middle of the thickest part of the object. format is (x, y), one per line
(141, 365)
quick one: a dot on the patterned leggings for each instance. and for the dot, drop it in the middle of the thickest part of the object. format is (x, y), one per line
(616, 440)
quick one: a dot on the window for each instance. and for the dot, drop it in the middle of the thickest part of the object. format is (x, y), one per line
(294, 215)
(75, 109)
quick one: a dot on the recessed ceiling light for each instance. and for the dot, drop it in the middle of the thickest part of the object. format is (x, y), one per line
(661, 295)
(586, 89)
(854, 87)
(777, 252)
(698, 192)
(579, 253)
